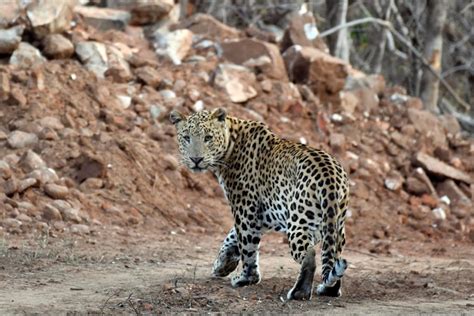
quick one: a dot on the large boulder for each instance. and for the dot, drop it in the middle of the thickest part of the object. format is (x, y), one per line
(50, 16)
(254, 53)
(237, 81)
(302, 30)
(10, 39)
(208, 27)
(143, 11)
(104, 18)
(324, 73)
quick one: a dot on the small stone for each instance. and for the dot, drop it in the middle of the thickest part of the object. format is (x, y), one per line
(56, 191)
(118, 68)
(4, 86)
(51, 16)
(68, 212)
(25, 184)
(26, 56)
(44, 175)
(17, 97)
(24, 218)
(80, 229)
(50, 213)
(429, 200)
(5, 170)
(149, 76)
(19, 139)
(94, 56)
(57, 46)
(51, 122)
(168, 94)
(394, 181)
(91, 184)
(416, 186)
(170, 162)
(337, 142)
(31, 161)
(10, 186)
(144, 11)
(439, 213)
(11, 223)
(266, 85)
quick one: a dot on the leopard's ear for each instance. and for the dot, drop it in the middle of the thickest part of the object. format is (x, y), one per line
(176, 117)
(220, 114)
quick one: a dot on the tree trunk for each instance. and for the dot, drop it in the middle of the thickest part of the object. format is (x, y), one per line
(436, 10)
(339, 42)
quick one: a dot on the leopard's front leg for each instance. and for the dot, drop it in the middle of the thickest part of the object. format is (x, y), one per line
(229, 256)
(248, 236)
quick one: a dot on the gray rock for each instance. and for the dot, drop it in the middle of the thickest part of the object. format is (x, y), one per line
(104, 18)
(25, 184)
(80, 229)
(440, 168)
(19, 139)
(94, 56)
(26, 56)
(173, 45)
(10, 39)
(31, 161)
(144, 11)
(44, 175)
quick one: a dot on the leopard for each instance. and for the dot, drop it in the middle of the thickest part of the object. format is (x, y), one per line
(271, 184)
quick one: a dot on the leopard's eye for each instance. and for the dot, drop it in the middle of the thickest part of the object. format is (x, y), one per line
(207, 138)
(186, 138)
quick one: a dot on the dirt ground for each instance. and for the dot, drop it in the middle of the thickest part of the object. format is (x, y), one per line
(129, 272)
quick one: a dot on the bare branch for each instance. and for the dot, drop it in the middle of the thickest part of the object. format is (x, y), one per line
(407, 43)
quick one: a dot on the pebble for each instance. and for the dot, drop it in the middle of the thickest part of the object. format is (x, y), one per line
(56, 191)
(20, 139)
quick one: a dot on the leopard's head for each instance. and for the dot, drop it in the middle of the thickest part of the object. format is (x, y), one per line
(202, 138)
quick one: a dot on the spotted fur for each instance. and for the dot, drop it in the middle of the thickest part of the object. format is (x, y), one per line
(271, 184)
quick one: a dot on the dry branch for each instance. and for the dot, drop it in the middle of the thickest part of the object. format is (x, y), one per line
(407, 43)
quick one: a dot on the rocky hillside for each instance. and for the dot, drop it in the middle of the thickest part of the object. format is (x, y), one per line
(85, 94)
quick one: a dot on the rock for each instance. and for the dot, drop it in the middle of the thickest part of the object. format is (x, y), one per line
(143, 11)
(80, 229)
(91, 184)
(428, 124)
(68, 212)
(440, 168)
(56, 191)
(452, 191)
(57, 46)
(237, 81)
(11, 11)
(24, 218)
(11, 224)
(170, 162)
(4, 86)
(266, 86)
(89, 167)
(394, 181)
(349, 102)
(44, 175)
(173, 45)
(5, 170)
(337, 141)
(302, 30)
(149, 76)
(26, 56)
(31, 161)
(50, 16)
(168, 94)
(366, 99)
(376, 83)
(50, 213)
(104, 19)
(25, 184)
(94, 56)
(19, 139)
(443, 154)
(324, 73)
(10, 39)
(208, 27)
(118, 70)
(254, 53)
(439, 213)
(17, 97)
(429, 200)
(10, 186)
(450, 124)
(416, 186)
(52, 122)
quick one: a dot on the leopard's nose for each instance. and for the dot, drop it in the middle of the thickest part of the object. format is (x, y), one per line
(196, 160)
